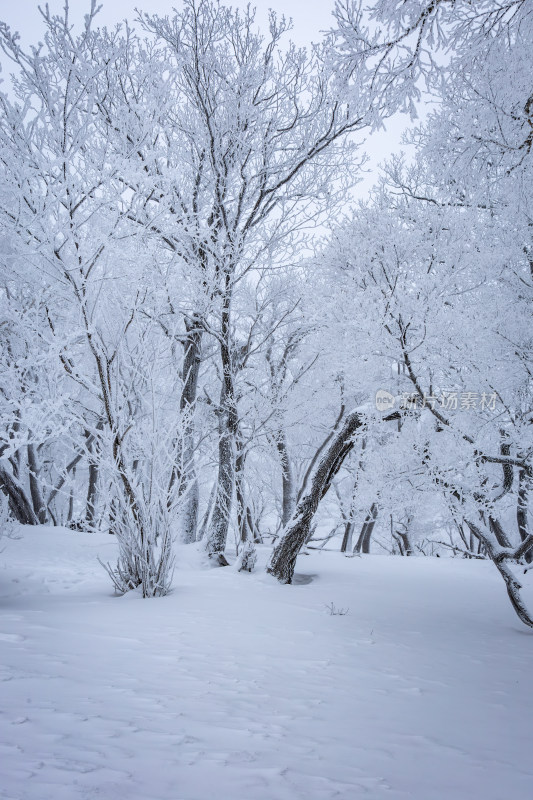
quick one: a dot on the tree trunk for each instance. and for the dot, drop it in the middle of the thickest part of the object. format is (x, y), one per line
(283, 559)
(184, 472)
(499, 533)
(70, 512)
(20, 506)
(288, 488)
(350, 523)
(242, 509)
(524, 485)
(512, 584)
(318, 452)
(189, 510)
(90, 510)
(253, 526)
(219, 525)
(39, 507)
(363, 542)
(348, 536)
(228, 431)
(92, 486)
(406, 543)
(404, 538)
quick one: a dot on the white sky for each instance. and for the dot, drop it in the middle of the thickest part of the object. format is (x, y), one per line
(310, 17)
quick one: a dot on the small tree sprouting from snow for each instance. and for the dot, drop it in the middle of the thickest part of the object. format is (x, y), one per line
(145, 559)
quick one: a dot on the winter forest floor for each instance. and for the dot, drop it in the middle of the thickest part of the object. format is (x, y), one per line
(238, 688)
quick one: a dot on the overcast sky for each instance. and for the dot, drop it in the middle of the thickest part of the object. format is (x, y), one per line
(310, 17)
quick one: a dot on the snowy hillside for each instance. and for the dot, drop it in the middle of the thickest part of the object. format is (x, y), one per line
(239, 688)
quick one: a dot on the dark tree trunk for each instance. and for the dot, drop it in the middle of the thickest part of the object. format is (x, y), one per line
(246, 523)
(253, 526)
(406, 547)
(349, 526)
(347, 539)
(89, 441)
(363, 542)
(285, 553)
(19, 504)
(228, 431)
(70, 512)
(242, 509)
(219, 525)
(403, 537)
(318, 453)
(524, 485)
(184, 472)
(39, 507)
(512, 584)
(287, 479)
(92, 488)
(499, 533)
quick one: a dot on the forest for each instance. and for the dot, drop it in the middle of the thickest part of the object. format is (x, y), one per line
(208, 336)
(266, 401)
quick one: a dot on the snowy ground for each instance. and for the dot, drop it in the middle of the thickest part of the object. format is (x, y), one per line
(237, 688)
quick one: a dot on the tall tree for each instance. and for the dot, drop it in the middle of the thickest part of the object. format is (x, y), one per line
(270, 127)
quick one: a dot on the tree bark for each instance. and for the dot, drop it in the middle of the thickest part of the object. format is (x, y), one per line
(348, 535)
(524, 487)
(219, 525)
(350, 522)
(19, 504)
(36, 497)
(500, 560)
(70, 512)
(242, 509)
(288, 488)
(228, 431)
(406, 547)
(363, 542)
(184, 472)
(499, 533)
(318, 453)
(92, 488)
(283, 559)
